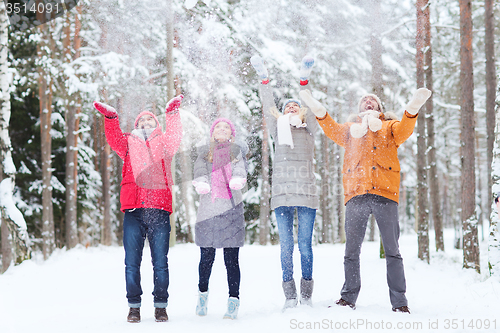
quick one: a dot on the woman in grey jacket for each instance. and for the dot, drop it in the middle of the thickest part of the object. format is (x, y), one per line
(219, 176)
(293, 181)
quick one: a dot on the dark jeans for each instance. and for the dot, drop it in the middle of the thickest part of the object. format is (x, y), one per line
(358, 209)
(232, 267)
(155, 225)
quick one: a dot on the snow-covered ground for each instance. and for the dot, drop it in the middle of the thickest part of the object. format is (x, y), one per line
(83, 290)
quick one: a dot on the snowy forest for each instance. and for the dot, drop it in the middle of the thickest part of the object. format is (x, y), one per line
(60, 179)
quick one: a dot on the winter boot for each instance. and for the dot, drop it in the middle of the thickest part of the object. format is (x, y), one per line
(290, 294)
(403, 309)
(134, 315)
(201, 307)
(161, 315)
(233, 304)
(343, 302)
(306, 290)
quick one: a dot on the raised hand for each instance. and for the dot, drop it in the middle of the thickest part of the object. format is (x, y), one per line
(258, 65)
(174, 104)
(106, 110)
(419, 98)
(305, 69)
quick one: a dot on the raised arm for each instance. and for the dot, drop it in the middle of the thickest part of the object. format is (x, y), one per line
(403, 129)
(312, 124)
(267, 99)
(335, 131)
(114, 135)
(173, 132)
(306, 66)
(266, 94)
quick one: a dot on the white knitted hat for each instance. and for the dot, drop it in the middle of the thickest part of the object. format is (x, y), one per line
(381, 108)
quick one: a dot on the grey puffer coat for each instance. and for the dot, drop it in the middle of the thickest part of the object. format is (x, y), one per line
(294, 183)
(219, 223)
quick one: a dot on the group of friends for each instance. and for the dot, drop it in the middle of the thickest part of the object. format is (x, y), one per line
(371, 177)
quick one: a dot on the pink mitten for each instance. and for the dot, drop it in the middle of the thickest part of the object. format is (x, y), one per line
(173, 104)
(237, 183)
(201, 187)
(106, 110)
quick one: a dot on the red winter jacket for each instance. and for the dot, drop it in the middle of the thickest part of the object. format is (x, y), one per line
(146, 173)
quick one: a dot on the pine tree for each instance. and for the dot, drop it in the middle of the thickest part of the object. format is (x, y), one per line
(14, 236)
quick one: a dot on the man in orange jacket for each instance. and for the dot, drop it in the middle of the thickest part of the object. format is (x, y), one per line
(371, 184)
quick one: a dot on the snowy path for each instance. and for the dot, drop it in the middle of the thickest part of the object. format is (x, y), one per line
(83, 290)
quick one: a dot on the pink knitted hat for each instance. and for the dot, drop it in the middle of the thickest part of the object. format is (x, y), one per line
(233, 130)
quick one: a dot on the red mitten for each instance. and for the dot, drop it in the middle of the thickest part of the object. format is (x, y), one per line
(173, 104)
(106, 110)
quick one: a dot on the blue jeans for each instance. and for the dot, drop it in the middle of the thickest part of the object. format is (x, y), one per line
(284, 217)
(137, 225)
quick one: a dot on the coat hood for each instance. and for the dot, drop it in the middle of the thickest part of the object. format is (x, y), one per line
(146, 113)
(379, 102)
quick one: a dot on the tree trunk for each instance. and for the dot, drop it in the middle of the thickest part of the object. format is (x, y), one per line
(106, 189)
(376, 52)
(468, 190)
(422, 190)
(6, 245)
(72, 126)
(325, 181)
(437, 215)
(186, 188)
(491, 86)
(170, 95)
(265, 196)
(494, 234)
(71, 178)
(371, 223)
(45, 97)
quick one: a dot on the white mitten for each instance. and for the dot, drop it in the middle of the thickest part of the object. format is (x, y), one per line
(419, 98)
(237, 183)
(315, 106)
(373, 120)
(358, 130)
(305, 69)
(258, 65)
(369, 120)
(201, 187)
(374, 123)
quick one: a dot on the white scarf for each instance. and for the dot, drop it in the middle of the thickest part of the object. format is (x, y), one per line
(369, 120)
(284, 130)
(143, 133)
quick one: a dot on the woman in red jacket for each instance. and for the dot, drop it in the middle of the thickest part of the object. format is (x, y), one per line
(145, 197)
